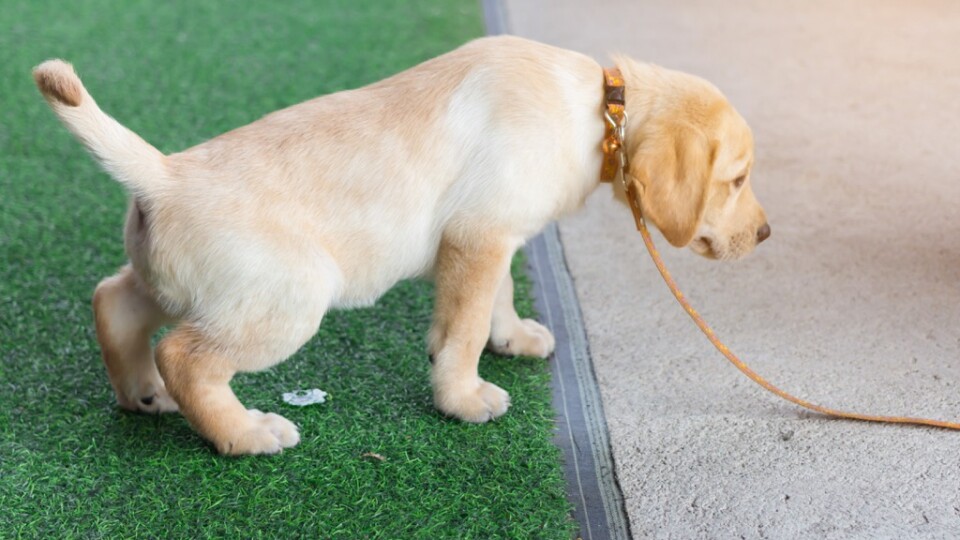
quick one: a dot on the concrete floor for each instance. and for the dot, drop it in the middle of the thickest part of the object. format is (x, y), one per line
(853, 302)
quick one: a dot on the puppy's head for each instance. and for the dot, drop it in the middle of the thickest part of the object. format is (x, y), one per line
(691, 154)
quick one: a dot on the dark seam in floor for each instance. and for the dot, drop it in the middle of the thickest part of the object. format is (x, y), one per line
(581, 431)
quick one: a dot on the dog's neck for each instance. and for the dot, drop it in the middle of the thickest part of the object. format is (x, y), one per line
(630, 90)
(642, 83)
(615, 123)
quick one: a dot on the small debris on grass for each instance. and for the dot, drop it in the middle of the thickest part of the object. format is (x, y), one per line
(373, 455)
(302, 398)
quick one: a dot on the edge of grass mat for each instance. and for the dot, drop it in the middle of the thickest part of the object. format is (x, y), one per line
(581, 434)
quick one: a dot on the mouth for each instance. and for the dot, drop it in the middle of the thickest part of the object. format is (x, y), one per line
(704, 247)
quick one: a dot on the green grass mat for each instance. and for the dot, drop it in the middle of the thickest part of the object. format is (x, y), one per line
(72, 465)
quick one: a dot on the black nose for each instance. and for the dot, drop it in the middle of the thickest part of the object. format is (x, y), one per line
(763, 232)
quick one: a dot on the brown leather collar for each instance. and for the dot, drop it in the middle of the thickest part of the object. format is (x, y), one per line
(615, 160)
(615, 118)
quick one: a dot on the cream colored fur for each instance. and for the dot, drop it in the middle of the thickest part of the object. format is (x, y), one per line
(441, 171)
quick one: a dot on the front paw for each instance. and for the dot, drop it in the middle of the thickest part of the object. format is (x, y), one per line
(477, 403)
(527, 338)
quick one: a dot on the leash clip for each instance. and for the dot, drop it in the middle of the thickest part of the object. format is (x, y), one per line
(618, 124)
(618, 129)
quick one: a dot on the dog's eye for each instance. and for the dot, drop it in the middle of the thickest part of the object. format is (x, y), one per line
(739, 182)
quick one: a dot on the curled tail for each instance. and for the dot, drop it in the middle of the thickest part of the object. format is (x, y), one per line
(128, 158)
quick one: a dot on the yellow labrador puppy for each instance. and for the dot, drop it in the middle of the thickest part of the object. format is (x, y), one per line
(444, 171)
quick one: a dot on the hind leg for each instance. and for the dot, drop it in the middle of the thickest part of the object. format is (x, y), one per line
(198, 375)
(126, 318)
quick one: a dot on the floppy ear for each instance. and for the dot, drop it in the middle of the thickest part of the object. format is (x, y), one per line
(674, 173)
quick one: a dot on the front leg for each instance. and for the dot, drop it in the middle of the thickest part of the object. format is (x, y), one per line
(512, 336)
(467, 279)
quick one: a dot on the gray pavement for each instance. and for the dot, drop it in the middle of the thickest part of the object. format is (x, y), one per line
(853, 302)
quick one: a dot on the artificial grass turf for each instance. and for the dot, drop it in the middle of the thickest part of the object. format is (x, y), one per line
(72, 465)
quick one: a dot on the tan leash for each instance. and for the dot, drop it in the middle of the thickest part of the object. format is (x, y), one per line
(615, 165)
